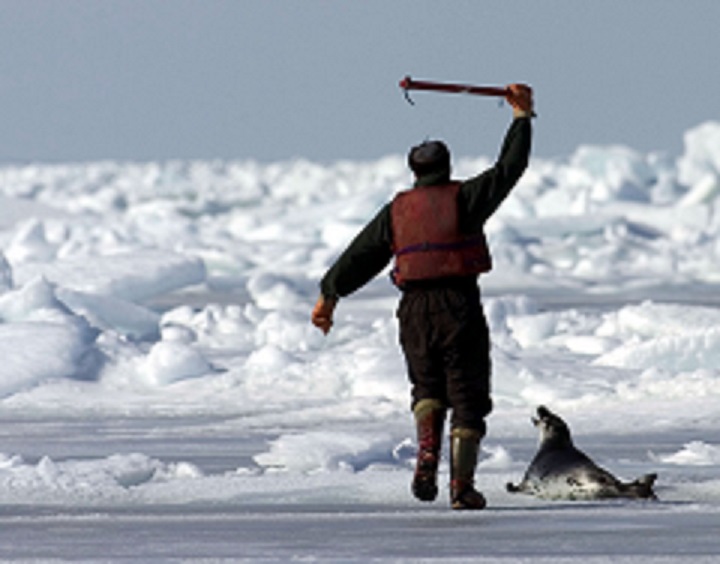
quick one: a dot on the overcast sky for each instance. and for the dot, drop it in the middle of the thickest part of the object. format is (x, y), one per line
(278, 79)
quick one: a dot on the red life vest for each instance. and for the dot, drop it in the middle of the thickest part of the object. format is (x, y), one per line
(427, 242)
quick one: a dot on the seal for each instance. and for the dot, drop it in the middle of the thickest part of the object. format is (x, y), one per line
(561, 471)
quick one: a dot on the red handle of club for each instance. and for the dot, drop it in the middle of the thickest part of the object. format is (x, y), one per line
(408, 83)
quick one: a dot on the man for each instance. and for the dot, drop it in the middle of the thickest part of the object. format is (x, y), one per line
(435, 233)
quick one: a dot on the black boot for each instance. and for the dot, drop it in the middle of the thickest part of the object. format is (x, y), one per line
(430, 418)
(464, 446)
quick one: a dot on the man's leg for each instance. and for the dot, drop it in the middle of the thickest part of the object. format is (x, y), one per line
(430, 419)
(467, 367)
(428, 393)
(464, 446)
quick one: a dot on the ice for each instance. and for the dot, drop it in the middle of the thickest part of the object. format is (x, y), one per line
(324, 450)
(159, 368)
(694, 453)
(170, 361)
(701, 158)
(131, 276)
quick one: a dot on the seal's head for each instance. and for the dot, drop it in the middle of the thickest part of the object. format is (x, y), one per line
(553, 430)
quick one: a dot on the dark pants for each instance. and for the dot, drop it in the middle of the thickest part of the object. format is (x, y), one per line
(446, 341)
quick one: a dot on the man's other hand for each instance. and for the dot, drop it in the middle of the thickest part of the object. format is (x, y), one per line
(322, 314)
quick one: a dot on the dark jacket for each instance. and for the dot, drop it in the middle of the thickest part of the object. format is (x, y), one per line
(479, 197)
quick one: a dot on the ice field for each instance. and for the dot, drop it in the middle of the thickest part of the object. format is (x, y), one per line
(163, 395)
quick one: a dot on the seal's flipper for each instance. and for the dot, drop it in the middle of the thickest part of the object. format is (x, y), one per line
(512, 488)
(642, 488)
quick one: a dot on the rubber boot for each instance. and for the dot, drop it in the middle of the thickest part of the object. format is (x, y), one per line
(430, 419)
(464, 446)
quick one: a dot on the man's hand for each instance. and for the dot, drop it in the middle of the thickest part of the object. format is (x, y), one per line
(322, 313)
(520, 97)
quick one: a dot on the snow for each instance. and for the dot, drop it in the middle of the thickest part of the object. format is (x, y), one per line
(164, 396)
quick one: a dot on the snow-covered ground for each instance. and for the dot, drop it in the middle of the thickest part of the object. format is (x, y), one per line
(163, 395)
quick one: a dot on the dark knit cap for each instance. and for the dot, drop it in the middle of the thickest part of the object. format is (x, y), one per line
(430, 156)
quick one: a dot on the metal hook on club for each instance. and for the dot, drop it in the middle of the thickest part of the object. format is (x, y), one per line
(406, 93)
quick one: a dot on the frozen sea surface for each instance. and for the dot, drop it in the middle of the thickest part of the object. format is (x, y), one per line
(163, 396)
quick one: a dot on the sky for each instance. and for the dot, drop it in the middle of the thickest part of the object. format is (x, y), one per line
(269, 80)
